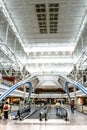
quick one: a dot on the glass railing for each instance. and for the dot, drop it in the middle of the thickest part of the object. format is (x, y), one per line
(82, 108)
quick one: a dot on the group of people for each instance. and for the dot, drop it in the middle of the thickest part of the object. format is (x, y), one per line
(71, 105)
(6, 108)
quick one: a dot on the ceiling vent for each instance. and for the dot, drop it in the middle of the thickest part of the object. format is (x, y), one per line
(53, 17)
(42, 17)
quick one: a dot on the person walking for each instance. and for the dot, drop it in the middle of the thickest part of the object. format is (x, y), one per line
(72, 106)
(57, 107)
(5, 109)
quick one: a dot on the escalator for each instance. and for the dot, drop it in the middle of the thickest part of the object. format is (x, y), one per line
(30, 113)
(35, 114)
(51, 114)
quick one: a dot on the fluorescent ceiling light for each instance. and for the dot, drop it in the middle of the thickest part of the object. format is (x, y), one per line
(62, 69)
(48, 60)
(49, 49)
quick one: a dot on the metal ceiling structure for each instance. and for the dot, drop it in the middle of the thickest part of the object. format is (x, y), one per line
(46, 37)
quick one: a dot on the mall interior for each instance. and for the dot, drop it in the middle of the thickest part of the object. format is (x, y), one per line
(43, 64)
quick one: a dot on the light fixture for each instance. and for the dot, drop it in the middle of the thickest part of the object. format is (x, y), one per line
(49, 49)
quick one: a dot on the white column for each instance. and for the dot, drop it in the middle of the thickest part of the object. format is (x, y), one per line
(75, 76)
(6, 37)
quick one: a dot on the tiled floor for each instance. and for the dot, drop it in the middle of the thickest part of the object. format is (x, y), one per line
(77, 121)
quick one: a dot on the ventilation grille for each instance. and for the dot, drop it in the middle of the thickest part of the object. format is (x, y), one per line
(53, 17)
(42, 17)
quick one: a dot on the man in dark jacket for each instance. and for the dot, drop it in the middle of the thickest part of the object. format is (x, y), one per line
(72, 106)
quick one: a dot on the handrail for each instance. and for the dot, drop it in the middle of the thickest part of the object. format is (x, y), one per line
(10, 90)
(44, 112)
(76, 84)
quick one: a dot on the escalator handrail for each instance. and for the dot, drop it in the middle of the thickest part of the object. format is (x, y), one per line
(14, 87)
(76, 84)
